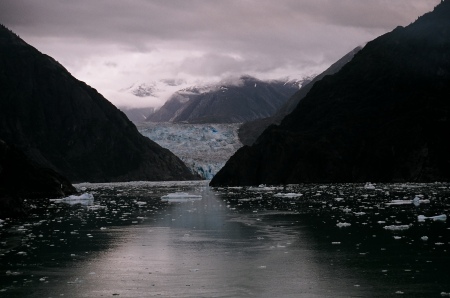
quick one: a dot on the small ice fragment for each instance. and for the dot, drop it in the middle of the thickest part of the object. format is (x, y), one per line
(339, 199)
(369, 186)
(288, 195)
(343, 224)
(397, 237)
(396, 228)
(424, 238)
(399, 293)
(444, 294)
(262, 267)
(336, 243)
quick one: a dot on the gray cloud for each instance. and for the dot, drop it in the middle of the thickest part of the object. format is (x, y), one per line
(111, 42)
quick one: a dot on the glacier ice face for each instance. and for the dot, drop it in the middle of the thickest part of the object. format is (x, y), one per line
(204, 148)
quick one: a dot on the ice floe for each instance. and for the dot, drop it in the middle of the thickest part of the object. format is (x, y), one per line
(416, 201)
(180, 197)
(84, 199)
(288, 195)
(422, 218)
(343, 224)
(397, 227)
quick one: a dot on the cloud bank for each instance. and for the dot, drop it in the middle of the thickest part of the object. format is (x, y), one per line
(111, 44)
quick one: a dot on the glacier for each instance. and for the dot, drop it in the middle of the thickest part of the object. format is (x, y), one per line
(204, 148)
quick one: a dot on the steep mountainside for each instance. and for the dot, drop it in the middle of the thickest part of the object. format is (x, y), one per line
(383, 117)
(64, 124)
(244, 100)
(22, 178)
(250, 131)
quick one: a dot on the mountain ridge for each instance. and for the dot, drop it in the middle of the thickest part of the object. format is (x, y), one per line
(232, 101)
(384, 117)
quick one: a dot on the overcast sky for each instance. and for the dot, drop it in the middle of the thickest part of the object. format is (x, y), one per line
(111, 44)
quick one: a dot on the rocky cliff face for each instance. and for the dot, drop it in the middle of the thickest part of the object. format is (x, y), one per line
(62, 123)
(383, 117)
(243, 100)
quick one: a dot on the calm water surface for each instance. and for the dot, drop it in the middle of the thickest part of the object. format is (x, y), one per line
(346, 240)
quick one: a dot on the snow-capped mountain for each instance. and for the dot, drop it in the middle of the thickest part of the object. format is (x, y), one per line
(229, 101)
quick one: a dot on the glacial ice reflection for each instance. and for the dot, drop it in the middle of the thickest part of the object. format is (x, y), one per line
(236, 242)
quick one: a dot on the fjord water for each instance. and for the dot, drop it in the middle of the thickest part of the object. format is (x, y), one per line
(344, 240)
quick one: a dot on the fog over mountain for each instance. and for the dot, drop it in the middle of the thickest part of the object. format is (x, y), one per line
(113, 44)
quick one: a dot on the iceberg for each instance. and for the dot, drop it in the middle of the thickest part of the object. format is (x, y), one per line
(369, 186)
(180, 197)
(442, 217)
(84, 199)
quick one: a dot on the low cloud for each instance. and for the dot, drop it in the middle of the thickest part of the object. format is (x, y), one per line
(111, 44)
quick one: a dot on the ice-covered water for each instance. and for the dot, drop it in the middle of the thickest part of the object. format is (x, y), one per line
(342, 240)
(204, 148)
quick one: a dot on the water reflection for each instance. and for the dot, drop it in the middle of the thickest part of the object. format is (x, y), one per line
(330, 241)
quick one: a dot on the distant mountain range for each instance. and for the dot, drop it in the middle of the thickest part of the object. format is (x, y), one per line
(384, 117)
(236, 101)
(63, 124)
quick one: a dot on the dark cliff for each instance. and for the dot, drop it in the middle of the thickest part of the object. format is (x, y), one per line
(21, 178)
(384, 117)
(250, 131)
(63, 124)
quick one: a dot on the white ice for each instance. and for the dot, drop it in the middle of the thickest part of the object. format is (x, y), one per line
(180, 197)
(397, 228)
(441, 217)
(288, 195)
(214, 143)
(84, 199)
(343, 224)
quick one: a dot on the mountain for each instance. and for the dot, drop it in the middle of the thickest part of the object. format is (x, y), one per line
(235, 101)
(250, 131)
(384, 117)
(22, 178)
(63, 124)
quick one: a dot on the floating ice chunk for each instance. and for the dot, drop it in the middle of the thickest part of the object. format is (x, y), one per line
(180, 197)
(339, 199)
(343, 224)
(399, 293)
(416, 201)
(369, 186)
(396, 228)
(442, 217)
(424, 238)
(288, 195)
(84, 199)
(96, 207)
(444, 294)
(359, 213)
(336, 243)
